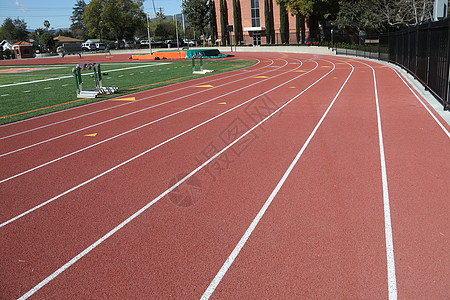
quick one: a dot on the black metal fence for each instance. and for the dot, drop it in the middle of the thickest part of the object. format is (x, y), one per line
(422, 50)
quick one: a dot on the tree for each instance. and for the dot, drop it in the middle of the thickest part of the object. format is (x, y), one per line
(237, 21)
(48, 41)
(398, 14)
(77, 26)
(325, 9)
(213, 20)
(197, 13)
(47, 24)
(359, 15)
(223, 20)
(268, 20)
(284, 24)
(165, 29)
(13, 30)
(68, 33)
(117, 19)
(317, 11)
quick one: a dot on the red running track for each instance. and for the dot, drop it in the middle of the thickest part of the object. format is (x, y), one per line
(299, 177)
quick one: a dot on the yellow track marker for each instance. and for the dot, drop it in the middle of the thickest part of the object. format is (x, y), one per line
(325, 66)
(260, 77)
(292, 87)
(300, 71)
(91, 134)
(334, 77)
(340, 63)
(222, 103)
(125, 99)
(204, 86)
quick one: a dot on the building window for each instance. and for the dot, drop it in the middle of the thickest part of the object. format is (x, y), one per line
(255, 13)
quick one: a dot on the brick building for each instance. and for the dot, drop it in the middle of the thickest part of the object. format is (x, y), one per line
(23, 50)
(253, 25)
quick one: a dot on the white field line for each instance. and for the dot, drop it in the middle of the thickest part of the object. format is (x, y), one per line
(70, 76)
(132, 113)
(392, 281)
(118, 135)
(122, 104)
(423, 104)
(223, 270)
(148, 150)
(148, 205)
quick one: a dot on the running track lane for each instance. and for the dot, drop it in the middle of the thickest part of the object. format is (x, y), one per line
(217, 229)
(90, 197)
(93, 160)
(93, 108)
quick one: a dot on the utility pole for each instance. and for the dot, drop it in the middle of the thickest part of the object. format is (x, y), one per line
(148, 33)
(182, 19)
(176, 30)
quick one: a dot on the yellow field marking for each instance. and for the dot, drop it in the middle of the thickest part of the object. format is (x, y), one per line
(204, 86)
(130, 89)
(325, 66)
(300, 71)
(292, 87)
(91, 134)
(125, 99)
(222, 103)
(260, 77)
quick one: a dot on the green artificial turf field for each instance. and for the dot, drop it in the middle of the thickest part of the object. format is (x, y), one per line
(28, 91)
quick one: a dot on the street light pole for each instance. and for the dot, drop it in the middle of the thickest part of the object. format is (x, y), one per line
(148, 33)
(176, 30)
(182, 19)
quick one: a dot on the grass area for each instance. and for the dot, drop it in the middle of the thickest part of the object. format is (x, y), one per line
(23, 95)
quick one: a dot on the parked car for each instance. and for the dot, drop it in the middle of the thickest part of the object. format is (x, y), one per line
(110, 46)
(143, 42)
(129, 44)
(88, 47)
(196, 43)
(173, 43)
(100, 46)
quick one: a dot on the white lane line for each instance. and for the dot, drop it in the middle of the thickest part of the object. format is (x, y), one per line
(213, 78)
(131, 159)
(120, 134)
(127, 103)
(148, 205)
(128, 114)
(70, 76)
(223, 270)
(423, 104)
(392, 281)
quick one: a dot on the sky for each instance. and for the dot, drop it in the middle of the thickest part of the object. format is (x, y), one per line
(58, 12)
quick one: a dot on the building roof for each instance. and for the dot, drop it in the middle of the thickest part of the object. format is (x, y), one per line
(22, 43)
(66, 39)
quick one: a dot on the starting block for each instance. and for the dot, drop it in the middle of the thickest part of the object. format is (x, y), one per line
(99, 88)
(202, 71)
